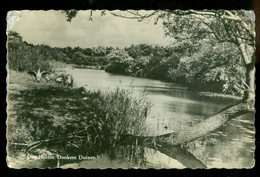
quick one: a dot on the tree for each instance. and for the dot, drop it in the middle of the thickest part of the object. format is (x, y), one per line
(211, 27)
(120, 61)
(235, 28)
(218, 29)
(15, 49)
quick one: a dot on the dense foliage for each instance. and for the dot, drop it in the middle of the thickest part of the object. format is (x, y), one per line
(222, 47)
(221, 39)
(202, 64)
(23, 56)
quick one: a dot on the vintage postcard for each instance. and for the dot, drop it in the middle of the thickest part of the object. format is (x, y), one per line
(133, 89)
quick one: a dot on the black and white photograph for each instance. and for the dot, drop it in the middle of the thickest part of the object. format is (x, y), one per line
(130, 89)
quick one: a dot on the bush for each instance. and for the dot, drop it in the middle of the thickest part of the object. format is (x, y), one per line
(75, 120)
(117, 68)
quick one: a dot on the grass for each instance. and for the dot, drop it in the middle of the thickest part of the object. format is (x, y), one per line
(22, 80)
(70, 120)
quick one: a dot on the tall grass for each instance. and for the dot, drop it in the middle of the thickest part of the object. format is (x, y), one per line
(76, 121)
(128, 112)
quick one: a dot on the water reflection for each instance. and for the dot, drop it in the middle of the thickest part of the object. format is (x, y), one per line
(139, 157)
(231, 146)
(175, 107)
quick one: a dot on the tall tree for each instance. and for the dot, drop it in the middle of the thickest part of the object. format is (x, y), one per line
(217, 27)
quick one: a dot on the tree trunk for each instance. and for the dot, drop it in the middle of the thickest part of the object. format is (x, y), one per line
(191, 133)
(250, 82)
(249, 61)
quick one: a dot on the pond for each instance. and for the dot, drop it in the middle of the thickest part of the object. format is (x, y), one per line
(175, 107)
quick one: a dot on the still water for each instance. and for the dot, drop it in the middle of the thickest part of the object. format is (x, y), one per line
(174, 107)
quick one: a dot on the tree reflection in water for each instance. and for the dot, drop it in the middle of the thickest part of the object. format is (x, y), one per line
(136, 156)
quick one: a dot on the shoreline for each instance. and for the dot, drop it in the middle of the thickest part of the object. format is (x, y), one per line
(201, 93)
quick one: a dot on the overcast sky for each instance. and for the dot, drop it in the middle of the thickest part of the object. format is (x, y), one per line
(51, 28)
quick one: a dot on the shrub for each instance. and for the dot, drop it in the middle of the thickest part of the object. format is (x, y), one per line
(75, 120)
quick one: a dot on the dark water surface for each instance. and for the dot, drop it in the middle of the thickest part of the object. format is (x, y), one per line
(174, 107)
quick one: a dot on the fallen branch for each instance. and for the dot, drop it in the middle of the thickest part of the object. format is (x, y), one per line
(191, 133)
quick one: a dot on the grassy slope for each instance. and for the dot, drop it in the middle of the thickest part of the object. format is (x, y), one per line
(45, 111)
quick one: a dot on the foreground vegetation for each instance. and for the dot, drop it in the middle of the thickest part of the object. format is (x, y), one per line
(47, 118)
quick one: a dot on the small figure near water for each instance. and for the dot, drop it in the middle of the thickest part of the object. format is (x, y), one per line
(68, 81)
(59, 80)
(49, 77)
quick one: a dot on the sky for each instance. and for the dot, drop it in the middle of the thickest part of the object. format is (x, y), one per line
(51, 28)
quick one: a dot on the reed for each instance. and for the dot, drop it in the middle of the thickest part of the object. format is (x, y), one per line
(73, 120)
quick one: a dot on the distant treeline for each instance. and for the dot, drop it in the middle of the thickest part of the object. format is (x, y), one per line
(214, 67)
